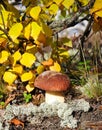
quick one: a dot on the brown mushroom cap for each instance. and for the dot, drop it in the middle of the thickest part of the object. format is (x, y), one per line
(52, 81)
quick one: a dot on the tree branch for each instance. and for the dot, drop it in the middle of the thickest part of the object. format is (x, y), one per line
(58, 26)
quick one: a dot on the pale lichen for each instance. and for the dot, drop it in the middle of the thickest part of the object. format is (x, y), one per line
(63, 110)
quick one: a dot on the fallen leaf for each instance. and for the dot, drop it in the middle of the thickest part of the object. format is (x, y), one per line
(29, 87)
(16, 122)
(48, 62)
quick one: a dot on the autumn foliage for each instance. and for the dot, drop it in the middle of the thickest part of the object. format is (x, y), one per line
(28, 43)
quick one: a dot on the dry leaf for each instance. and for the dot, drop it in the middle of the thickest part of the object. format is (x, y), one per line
(48, 62)
(16, 122)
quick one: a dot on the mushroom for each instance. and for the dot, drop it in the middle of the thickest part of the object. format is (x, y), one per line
(54, 83)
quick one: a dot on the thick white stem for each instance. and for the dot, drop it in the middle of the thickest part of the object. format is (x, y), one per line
(51, 97)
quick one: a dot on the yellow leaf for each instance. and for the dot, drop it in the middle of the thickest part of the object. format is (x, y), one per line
(99, 13)
(53, 9)
(84, 2)
(65, 53)
(55, 67)
(29, 87)
(18, 69)
(67, 3)
(97, 7)
(27, 59)
(40, 69)
(67, 42)
(15, 31)
(9, 77)
(27, 31)
(26, 76)
(31, 48)
(3, 56)
(35, 30)
(35, 11)
(5, 15)
(57, 1)
(15, 57)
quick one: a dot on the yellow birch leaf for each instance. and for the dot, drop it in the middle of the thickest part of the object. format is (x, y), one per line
(57, 1)
(9, 77)
(15, 57)
(35, 30)
(29, 87)
(84, 2)
(99, 13)
(27, 59)
(64, 54)
(97, 6)
(35, 11)
(67, 3)
(3, 56)
(53, 9)
(18, 69)
(27, 31)
(26, 76)
(55, 67)
(40, 69)
(67, 42)
(31, 48)
(15, 31)
(5, 15)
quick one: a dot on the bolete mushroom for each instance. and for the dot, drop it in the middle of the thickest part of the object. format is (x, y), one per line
(54, 83)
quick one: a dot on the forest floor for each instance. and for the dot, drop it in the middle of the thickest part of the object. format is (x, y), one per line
(91, 120)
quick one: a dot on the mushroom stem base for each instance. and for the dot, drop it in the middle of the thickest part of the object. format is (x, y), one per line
(51, 97)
